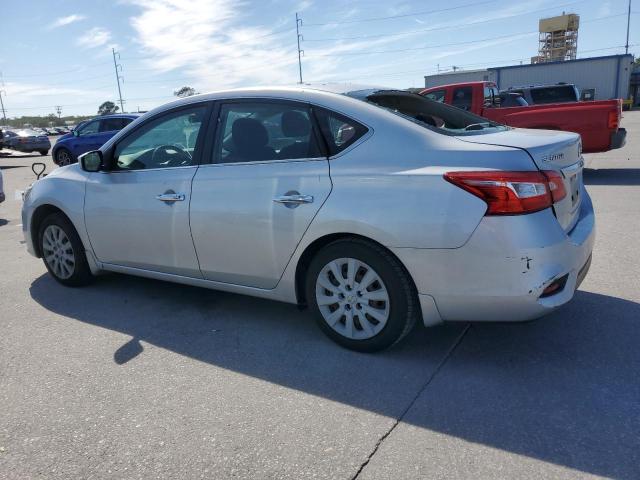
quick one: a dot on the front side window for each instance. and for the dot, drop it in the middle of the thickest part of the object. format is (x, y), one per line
(165, 142)
(437, 96)
(89, 128)
(262, 131)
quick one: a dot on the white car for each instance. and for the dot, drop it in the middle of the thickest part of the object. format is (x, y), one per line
(374, 208)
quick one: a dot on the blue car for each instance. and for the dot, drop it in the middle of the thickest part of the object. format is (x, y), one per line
(89, 135)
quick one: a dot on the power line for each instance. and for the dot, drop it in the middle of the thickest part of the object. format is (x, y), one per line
(404, 15)
(60, 72)
(411, 49)
(444, 27)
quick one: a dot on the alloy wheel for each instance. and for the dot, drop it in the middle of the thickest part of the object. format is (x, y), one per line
(63, 158)
(58, 252)
(352, 298)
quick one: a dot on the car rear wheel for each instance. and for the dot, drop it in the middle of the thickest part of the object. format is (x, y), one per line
(62, 251)
(44, 152)
(362, 296)
(63, 157)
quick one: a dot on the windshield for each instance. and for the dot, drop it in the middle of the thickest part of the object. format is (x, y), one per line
(433, 115)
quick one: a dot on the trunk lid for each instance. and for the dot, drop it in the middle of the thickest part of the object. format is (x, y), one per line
(550, 150)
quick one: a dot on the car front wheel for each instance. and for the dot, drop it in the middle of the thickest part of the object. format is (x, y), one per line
(63, 157)
(63, 252)
(362, 296)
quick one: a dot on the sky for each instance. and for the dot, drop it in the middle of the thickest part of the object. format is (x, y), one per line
(59, 52)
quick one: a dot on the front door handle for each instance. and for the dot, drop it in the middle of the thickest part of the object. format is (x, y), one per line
(171, 197)
(293, 200)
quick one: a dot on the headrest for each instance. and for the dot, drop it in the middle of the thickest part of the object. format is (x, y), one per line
(295, 124)
(249, 133)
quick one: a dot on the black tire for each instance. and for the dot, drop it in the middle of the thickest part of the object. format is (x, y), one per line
(63, 157)
(44, 152)
(403, 302)
(81, 273)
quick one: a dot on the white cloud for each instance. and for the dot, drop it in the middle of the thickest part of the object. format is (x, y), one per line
(62, 21)
(96, 37)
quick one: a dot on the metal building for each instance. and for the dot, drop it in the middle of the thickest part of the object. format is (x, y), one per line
(609, 76)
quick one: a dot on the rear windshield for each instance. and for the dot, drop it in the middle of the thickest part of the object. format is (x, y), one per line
(565, 93)
(433, 115)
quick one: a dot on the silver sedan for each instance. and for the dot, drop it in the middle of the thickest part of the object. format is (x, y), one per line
(377, 209)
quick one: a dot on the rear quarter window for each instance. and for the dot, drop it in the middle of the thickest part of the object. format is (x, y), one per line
(340, 132)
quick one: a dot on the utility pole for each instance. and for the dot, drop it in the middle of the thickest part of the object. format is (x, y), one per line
(118, 77)
(626, 47)
(4, 114)
(298, 38)
(59, 110)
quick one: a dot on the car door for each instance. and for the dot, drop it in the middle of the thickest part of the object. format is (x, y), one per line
(137, 213)
(87, 138)
(267, 179)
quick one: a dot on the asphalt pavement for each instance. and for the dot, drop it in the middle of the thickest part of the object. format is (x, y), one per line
(134, 378)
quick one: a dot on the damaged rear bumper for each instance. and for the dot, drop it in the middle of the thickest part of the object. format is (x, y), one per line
(502, 272)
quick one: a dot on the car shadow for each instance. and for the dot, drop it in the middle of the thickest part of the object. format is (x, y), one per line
(563, 390)
(3, 222)
(611, 176)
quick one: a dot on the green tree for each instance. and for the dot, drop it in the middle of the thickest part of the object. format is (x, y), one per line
(185, 92)
(107, 108)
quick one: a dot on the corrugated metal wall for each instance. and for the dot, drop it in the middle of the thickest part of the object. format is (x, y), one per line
(601, 73)
(457, 77)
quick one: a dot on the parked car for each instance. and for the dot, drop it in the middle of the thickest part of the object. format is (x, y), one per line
(51, 132)
(89, 135)
(61, 130)
(26, 141)
(598, 122)
(375, 208)
(544, 94)
(509, 99)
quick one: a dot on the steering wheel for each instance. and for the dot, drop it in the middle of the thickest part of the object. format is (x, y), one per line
(170, 155)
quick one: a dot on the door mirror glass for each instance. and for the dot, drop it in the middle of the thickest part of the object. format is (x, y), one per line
(76, 133)
(91, 161)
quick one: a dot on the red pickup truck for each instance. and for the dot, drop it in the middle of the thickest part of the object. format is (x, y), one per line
(598, 122)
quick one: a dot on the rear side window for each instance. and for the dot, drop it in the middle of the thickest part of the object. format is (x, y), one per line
(111, 124)
(259, 131)
(437, 96)
(339, 131)
(462, 98)
(561, 94)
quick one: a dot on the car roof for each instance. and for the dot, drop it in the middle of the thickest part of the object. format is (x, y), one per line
(115, 115)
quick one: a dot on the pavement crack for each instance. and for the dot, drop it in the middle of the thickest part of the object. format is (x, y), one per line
(421, 390)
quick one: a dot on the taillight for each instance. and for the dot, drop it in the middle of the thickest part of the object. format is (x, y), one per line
(614, 120)
(511, 193)
(556, 185)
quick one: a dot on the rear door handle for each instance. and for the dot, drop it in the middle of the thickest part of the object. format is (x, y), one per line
(171, 197)
(293, 200)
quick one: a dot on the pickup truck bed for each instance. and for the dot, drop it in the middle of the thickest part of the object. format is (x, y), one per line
(598, 123)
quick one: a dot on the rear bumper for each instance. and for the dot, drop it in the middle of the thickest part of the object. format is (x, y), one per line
(619, 138)
(502, 271)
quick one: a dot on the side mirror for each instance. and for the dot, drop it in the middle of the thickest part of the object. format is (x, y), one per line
(76, 133)
(91, 161)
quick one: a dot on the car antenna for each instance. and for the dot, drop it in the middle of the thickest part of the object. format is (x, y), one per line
(35, 166)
